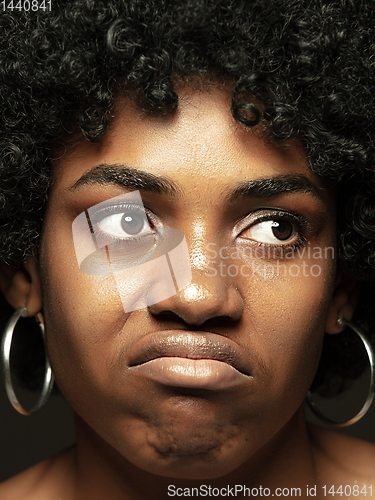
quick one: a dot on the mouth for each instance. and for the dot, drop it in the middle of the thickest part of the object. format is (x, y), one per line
(197, 360)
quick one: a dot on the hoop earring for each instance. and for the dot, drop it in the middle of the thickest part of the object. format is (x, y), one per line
(5, 366)
(370, 395)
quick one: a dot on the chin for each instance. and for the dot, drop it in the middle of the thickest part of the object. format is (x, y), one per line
(187, 448)
(192, 463)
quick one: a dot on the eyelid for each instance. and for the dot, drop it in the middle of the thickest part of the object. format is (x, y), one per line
(106, 238)
(262, 215)
(123, 207)
(117, 208)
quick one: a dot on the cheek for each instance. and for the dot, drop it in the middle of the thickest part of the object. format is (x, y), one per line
(83, 315)
(287, 314)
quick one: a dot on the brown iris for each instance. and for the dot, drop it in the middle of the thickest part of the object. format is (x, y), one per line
(282, 230)
(132, 223)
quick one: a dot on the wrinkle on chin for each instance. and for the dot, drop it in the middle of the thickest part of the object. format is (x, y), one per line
(203, 443)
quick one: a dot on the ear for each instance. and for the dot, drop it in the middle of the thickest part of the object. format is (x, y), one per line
(21, 287)
(344, 300)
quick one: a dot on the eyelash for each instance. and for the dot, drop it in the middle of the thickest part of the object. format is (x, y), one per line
(107, 239)
(300, 224)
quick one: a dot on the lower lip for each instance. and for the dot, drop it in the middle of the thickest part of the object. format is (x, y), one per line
(191, 373)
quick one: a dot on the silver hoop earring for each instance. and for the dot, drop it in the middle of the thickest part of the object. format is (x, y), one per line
(6, 344)
(370, 395)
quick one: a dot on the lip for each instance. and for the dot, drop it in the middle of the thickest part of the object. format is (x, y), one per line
(200, 360)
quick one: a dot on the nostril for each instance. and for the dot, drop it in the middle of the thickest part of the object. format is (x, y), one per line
(196, 304)
(195, 322)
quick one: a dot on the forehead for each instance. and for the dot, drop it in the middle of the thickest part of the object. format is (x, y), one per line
(201, 140)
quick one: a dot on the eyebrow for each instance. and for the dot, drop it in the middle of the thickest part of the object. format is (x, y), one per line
(275, 186)
(127, 177)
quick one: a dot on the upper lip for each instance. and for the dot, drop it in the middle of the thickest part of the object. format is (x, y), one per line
(192, 345)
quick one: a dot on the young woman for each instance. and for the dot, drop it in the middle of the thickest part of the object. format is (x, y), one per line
(187, 203)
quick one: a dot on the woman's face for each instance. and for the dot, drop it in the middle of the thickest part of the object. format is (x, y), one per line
(260, 231)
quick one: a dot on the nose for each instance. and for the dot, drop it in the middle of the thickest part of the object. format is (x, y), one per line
(207, 296)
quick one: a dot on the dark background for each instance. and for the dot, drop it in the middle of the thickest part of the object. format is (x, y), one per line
(25, 440)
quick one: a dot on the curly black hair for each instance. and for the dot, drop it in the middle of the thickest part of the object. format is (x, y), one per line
(301, 69)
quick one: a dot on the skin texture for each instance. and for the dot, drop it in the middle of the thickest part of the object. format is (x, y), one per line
(132, 431)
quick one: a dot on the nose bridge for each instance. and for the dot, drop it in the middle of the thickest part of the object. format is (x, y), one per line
(199, 241)
(207, 260)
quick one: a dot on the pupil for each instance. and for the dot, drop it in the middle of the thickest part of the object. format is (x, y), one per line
(282, 230)
(132, 223)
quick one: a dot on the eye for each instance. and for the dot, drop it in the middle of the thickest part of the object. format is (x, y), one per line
(271, 231)
(124, 224)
